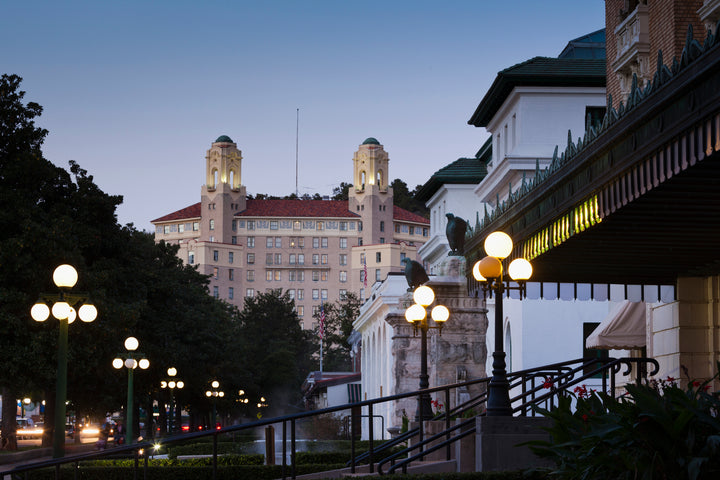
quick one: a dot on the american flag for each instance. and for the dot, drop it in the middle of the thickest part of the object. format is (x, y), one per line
(364, 273)
(321, 330)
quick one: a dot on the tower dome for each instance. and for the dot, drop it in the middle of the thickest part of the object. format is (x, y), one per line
(223, 139)
(371, 141)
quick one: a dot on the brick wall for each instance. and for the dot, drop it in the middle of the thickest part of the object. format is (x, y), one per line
(668, 23)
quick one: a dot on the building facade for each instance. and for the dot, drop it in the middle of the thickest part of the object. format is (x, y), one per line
(316, 250)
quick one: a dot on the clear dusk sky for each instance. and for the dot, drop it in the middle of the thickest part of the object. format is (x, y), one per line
(136, 91)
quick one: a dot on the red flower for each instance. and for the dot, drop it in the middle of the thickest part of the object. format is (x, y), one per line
(585, 418)
(696, 383)
(670, 379)
(548, 383)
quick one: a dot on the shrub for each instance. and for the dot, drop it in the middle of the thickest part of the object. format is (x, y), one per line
(656, 430)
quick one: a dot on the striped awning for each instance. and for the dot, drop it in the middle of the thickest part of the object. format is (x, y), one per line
(354, 392)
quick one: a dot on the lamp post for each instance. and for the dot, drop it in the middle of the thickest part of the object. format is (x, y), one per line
(66, 307)
(214, 393)
(171, 383)
(489, 272)
(131, 344)
(417, 315)
(261, 404)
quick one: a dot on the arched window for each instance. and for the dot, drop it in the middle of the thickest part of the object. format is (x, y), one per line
(379, 178)
(362, 180)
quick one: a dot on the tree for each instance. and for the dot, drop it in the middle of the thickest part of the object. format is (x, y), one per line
(339, 318)
(341, 192)
(275, 352)
(404, 198)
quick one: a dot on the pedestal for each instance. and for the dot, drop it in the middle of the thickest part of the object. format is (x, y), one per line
(497, 440)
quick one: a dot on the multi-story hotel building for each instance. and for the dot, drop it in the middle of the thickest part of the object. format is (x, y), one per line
(317, 250)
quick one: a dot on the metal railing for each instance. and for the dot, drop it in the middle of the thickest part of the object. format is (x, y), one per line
(532, 384)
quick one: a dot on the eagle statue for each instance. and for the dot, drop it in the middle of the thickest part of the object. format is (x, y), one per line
(455, 232)
(414, 273)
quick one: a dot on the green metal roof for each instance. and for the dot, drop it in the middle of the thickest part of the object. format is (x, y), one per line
(463, 171)
(536, 72)
(591, 45)
(371, 141)
(223, 138)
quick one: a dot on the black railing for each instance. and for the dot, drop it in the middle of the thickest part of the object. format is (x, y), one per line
(532, 383)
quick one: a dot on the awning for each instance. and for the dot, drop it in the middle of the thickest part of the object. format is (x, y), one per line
(623, 328)
(354, 392)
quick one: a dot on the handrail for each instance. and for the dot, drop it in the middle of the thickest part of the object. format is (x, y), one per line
(564, 375)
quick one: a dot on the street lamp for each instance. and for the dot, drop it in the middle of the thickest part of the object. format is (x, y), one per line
(66, 307)
(171, 383)
(489, 272)
(131, 344)
(214, 393)
(261, 404)
(417, 315)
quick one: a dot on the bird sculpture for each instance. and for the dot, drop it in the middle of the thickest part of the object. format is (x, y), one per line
(455, 232)
(414, 273)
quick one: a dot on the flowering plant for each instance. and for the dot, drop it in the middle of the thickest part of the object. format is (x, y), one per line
(655, 430)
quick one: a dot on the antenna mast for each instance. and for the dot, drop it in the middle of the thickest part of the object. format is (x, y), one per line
(297, 132)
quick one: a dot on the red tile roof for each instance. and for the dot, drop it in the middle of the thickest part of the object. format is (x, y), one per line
(296, 208)
(193, 211)
(406, 216)
(292, 208)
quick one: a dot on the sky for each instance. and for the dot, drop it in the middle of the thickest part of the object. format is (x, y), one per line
(136, 91)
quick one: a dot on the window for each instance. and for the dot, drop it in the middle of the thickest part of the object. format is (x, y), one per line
(315, 276)
(297, 242)
(402, 256)
(397, 228)
(359, 226)
(382, 239)
(362, 276)
(250, 292)
(320, 225)
(231, 293)
(251, 242)
(588, 328)
(296, 225)
(360, 242)
(323, 259)
(234, 225)
(233, 240)
(378, 257)
(316, 312)
(268, 259)
(301, 259)
(231, 274)
(196, 226)
(343, 293)
(343, 226)
(343, 259)
(377, 274)
(231, 257)
(324, 242)
(291, 294)
(292, 259)
(315, 294)
(278, 259)
(425, 232)
(250, 258)
(181, 228)
(250, 275)
(301, 294)
(412, 230)
(382, 226)
(323, 276)
(215, 273)
(343, 276)
(278, 275)
(269, 242)
(300, 310)
(212, 225)
(269, 275)
(301, 276)
(291, 275)
(316, 242)
(343, 242)
(216, 292)
(323, 294)
(216, 255)
(251, 225)
(278, 242)
(316, 259)
(273, 225)
(191, 258)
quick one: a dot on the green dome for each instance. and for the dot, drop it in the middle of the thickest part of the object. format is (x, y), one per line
(371, 141)
(223, 138)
